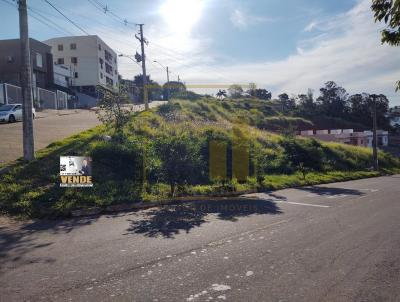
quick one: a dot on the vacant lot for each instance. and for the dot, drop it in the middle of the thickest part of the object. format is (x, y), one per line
(48, 127)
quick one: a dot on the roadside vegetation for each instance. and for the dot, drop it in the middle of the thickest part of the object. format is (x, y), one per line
(164, 153)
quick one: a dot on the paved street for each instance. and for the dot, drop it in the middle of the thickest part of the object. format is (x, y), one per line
(49, 126)
(338, 242)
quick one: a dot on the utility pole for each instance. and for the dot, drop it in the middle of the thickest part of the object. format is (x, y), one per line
(142, 41)
(375, 137)
(167, 84)
(26, 83)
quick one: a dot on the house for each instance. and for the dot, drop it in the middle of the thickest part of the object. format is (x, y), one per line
(394, 116)
(41, 62)
(349, 136)
(92, 62)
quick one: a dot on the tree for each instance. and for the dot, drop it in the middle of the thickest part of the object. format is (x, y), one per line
(180, 160)
(361, 106)
(306, 104)
(261, 94)
(112, 112)
(235, 91)
(389, 12)
(221, 94)
(174, 87)
(303, 156)
(287, 104)
(252, 89)
(333, 100)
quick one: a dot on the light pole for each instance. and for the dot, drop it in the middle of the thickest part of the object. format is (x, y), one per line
(126, 56)
(375, 137)
(166, 68)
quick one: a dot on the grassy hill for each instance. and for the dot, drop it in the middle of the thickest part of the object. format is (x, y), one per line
(165, 151)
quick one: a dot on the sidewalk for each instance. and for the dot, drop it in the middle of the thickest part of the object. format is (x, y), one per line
(52, 112)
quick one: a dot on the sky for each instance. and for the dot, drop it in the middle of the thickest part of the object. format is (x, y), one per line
(282, 46)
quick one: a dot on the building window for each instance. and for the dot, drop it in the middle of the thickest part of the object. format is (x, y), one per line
(108, 56)
(60, 47)
(101, 61)
(75, 75)
(109, 69)
(60, 61)
(99, 46)
(74, 60)
(39, 60)
(72, 46)
(109, 81)
(101, 75)
(116, 72)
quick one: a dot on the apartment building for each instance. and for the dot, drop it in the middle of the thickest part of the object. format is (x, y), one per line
(91, 61)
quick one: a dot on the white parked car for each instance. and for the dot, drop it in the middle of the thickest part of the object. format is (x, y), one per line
(12, 113)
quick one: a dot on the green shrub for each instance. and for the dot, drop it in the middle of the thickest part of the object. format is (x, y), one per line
(118, 162)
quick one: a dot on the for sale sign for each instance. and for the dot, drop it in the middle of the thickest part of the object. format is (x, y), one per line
(75, 171)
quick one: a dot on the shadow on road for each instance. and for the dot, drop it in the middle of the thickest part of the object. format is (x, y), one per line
(17, 240)
(328, 191)
(170, 220)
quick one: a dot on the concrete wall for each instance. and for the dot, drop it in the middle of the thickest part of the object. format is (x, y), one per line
(307, 132)
(86, 101)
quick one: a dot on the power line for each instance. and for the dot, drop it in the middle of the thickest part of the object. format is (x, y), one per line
(47, 23)
(105, 9)
(48, 20)
(72, 22)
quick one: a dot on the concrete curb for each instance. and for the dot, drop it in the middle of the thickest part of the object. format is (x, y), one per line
(4, 170)
(124, 207)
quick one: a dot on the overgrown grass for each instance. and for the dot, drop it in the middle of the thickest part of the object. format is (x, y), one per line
(175, 138)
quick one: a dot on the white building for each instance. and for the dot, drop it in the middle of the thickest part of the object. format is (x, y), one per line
(62, 75)
(92, 62)
(395, 121)
(348, 136)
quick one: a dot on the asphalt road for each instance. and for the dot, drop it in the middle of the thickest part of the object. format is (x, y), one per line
(338, 242)
(49, 126)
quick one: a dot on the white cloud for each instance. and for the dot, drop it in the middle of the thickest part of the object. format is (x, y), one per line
(310, 26)
(243, 20)
(347, 51)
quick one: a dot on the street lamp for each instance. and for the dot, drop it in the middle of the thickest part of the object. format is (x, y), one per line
(166, 68)
(126, 56)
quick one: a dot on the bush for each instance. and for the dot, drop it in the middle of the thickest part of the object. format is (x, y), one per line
(303, 155)
(118, 162)
(181, 161)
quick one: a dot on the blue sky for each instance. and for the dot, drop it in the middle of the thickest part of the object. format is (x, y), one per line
(283, 46)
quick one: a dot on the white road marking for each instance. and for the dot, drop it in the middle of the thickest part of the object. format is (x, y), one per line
(370, 190)
(266, 197)
(336, 196)
(303, 204)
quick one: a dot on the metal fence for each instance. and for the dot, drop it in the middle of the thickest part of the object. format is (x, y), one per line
(45, 99)
(62, 100)
(12, 94)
